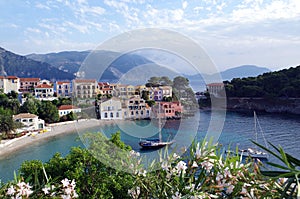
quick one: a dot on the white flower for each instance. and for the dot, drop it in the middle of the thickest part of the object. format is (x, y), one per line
(229, 189)
(10, 191)
(177, 195)
(227, 173)
(181, 166)
(142, 172)
(46, 190)
(66, 197)
(134, 193)
(73, 184)
(65, 182)
(207, 165)
(198, 151)
(219, 177)
(175, 156)
(165, 166)
(194, 165)
(68, 190)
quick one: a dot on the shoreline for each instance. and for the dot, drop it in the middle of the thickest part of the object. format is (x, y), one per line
(57, 129)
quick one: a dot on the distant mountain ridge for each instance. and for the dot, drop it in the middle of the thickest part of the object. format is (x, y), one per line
(21, 66)
(236, 72)
(70, 61)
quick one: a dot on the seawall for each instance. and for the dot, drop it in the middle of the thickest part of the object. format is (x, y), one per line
(270, 105)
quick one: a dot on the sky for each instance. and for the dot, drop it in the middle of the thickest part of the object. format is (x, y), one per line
(232, 32)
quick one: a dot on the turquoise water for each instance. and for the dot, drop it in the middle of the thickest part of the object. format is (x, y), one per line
(238, 128)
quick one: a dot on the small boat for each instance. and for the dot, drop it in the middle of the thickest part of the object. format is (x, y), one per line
(155, 143)
(250, 152)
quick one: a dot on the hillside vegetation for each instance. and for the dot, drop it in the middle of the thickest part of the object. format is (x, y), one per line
(284, 83)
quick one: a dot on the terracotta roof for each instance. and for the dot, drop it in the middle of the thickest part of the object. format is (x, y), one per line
(12, 77)
(85, 80)
(8, 77)
(65, 82)
(24, 115)
(67, 107)
(44, 86)
(103, 83)
(29, 79)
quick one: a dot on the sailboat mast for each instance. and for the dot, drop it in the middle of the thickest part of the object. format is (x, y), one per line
(159, 122)
(255, 128)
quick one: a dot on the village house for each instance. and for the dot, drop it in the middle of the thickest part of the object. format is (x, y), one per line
(29, 121)
(66, 109)
(110, 109)
(169, 110)
(166, 90)
(84, 88)
(215, 88)
(27, 84)
(9, 83)
(159, 93)
(124, 91)
(63, 89)
(44, 90)
(104, 88)
(136, 108)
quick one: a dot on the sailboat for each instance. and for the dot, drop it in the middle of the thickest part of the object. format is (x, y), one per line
(155, 143)
(254, 152)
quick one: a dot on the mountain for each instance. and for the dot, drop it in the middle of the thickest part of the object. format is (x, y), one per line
(70, 61)
(244, 71)
(236, 72)
(21, 66)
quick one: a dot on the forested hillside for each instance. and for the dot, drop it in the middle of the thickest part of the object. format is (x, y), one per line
(284, 83)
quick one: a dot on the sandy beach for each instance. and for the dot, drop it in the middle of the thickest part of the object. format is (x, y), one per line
(10, 146)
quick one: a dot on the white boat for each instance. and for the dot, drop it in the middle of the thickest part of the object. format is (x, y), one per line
(253, 152)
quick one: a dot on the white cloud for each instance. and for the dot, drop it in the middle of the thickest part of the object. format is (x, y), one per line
(177, 14)
(33, 30)
(81, 28)
(42, 6)
(184, 5)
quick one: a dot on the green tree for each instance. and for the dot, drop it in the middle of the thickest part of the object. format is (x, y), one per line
(93, 178)
(180, 82)
(31, 105)
(145, 95)
(48, 112)
(7, 124)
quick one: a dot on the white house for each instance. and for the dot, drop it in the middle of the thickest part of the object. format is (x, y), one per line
(111, 109)
(66, 109)
(29, 121)
(43, 90)
(9, 83)
(215, 88)
(136, 108)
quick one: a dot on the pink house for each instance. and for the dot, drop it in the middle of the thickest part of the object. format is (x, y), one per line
(168, 110)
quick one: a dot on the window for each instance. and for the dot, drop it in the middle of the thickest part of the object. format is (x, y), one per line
(117, 114)
(30, 120)
(105, 115)
(111, 115)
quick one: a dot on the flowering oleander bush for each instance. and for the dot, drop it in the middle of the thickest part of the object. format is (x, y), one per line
(20, 190)
(202, 172)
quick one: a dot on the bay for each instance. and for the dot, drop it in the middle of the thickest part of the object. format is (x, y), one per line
(238, 129)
